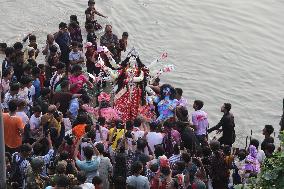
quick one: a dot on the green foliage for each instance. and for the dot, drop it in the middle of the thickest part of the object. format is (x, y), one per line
(272, 172)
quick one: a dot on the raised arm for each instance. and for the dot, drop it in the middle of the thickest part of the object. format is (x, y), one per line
(98, 13)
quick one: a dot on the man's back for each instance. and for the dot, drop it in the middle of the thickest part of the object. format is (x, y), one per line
(199, 119)
(12, 127)
(154, 138)
(139, 182)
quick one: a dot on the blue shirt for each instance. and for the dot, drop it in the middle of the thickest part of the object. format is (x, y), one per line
(74, 107)
(90, 167)
(36, 84)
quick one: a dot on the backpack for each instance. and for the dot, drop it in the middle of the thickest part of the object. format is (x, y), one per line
(16, 175)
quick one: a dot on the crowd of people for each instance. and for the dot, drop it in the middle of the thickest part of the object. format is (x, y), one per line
(86, 119)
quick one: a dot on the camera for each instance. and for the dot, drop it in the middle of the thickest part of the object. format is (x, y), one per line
(69, 139)
(86, 139)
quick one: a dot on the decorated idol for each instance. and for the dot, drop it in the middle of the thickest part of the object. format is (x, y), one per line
(166, 103)
(129, 86)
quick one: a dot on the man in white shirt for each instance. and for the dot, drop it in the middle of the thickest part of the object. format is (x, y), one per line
(199, 121)
(153, 137)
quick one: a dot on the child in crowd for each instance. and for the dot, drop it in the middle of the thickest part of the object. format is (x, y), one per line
(76, 56)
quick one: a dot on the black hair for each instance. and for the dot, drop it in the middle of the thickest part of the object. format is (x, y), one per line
(168, 124)
(88, 152)
(12, 105)
(27, 67)
(165, 170)
(9, 51)
(45, 91)
(85, 98)
(159, 151)
(73, 18)
(97, 180)
(81, 177)
(136, 167)
(125, 34)
(227, 150)
(74, 44)
(62, 25)
(137, 122)
(32, 37)
(269, 129)
(60, 65)
(227, 106)
(172, 91)
(179, 91)
(14, 86)
(118, 124)
(6, 72)
(62, 181)
(3, 46)
(206, 151)
(91, 134)
(25, 148)
(18, 46)
(91, 2)
(186, 157)
(53, 49)
(76, 68)
(100, 148)
(81, 118)
(254, 142)
(180, 166)
(176, 149)
(36, 109)
(64, 83)
(141, 144)
(199, 104)
(37, 149)
(215, 145)
(242, 154)
(35, 71)
(89, 26)
(102, 120)
(129, 125)
(153, 126)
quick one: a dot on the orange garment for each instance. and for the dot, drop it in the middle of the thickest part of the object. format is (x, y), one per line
(79, 130)
(12, 127)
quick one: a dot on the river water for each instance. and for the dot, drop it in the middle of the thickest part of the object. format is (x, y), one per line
(223, 50)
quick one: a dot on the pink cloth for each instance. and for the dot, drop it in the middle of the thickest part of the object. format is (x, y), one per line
(108, 113)
(79, 80)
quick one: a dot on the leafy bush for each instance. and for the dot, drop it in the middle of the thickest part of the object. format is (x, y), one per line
(272, 172)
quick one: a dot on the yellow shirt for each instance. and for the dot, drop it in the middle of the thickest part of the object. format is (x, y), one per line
(116, 136)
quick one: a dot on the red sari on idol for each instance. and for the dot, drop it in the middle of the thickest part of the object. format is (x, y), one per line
(128, 98)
